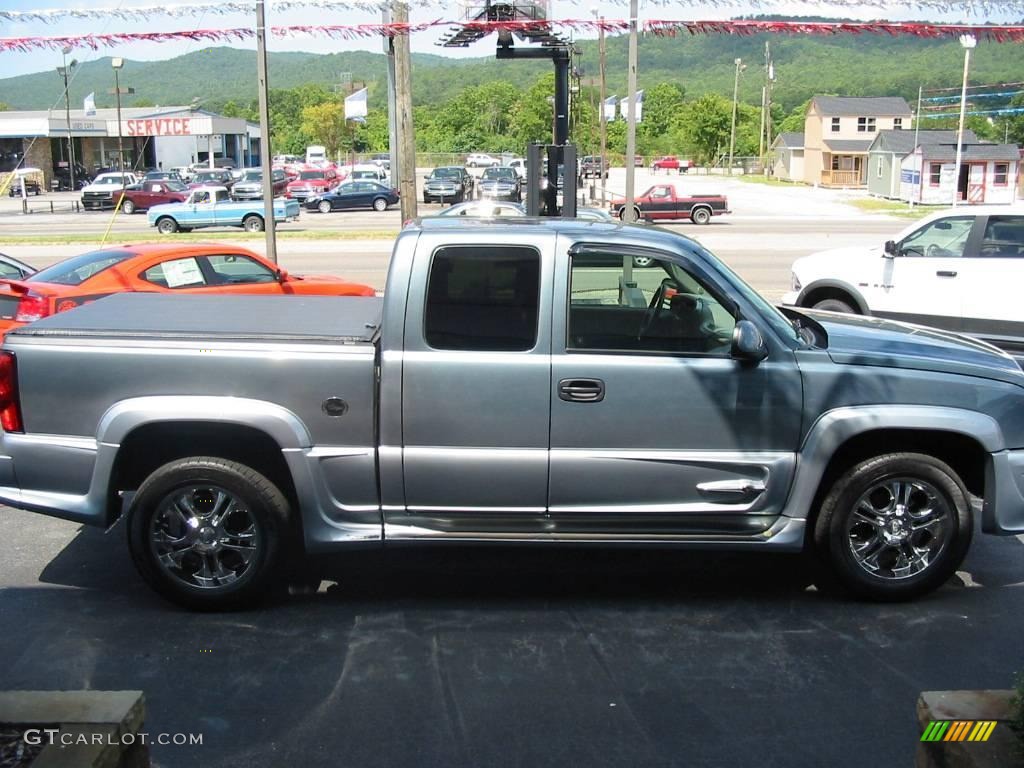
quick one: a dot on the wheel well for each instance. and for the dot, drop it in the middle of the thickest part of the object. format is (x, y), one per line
(963, 454)
(701, 206)
(150, 446)
(824, 292)
(252, 216)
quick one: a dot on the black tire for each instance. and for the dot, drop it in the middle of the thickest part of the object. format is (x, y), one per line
(128, 207)
(380, 204)
(701, 216)
(252, 223)
(166, 226)
(426, 199)
(835, 305)
(837, 530)
(324, 206)
(263, 503)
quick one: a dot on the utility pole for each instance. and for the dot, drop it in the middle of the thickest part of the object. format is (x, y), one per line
(63, 72)
(735, 100)
(628, 212)
(968, 42)
(768, 98)
(917, 133)
(389, 52)
(404, 127)
(270, 226)
(760, 133)
(604, 121)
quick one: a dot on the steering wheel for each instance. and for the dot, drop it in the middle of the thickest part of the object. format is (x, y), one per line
(653, 309)
(934, 251)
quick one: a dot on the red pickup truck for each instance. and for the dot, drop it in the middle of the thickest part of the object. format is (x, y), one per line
(139, 197)
(661, 202)
(671, 163)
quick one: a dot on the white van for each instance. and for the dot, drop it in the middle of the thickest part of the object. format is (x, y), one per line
(315, 155)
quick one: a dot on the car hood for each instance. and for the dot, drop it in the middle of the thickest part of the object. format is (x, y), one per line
(102, 187)
(840, 256)
(858, 340)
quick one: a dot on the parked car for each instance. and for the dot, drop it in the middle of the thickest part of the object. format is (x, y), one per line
(481, 160)
(448, 184)
(12, 269)
(354, 194)
(162, 176)
(213, 207)
(218, 177)
(484, 209)
(500, 183)
(310, 182)
(156, 268)
(142, 197)
(518, 165)
(638, 161)
(105, 190)
(592, 166)
(958, 269)
(595, 214)
(491, 395)
(32, 187)
(250, 186)
(382, 159)
(62, 177)
(671, 163)
(368, 172)
(663, 203)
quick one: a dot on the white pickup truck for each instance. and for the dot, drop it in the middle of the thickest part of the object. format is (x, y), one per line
(104, 190)
(213, 207)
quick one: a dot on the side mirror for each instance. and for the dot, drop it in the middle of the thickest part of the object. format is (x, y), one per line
(748, 343)
(282, 275)
(890, 250)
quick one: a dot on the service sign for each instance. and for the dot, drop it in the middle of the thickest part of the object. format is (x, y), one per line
(167, 126)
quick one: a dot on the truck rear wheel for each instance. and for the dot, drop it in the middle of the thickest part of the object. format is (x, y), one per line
(252, 223)
(701, 216)
(894, 527)
(207, 533)
(167, 225)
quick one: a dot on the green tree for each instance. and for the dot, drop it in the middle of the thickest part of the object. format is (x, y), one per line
(325, 123)
(533, 115)
(704, 125)
(662, 105)
(794, 121)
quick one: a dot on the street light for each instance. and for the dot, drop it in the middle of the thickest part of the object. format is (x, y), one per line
(63, 72)
(968, 42)
(118, 63)
(740, 66)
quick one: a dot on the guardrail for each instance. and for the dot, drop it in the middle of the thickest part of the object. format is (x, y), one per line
(71, 206)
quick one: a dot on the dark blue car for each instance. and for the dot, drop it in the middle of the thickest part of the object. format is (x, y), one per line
(354, 194)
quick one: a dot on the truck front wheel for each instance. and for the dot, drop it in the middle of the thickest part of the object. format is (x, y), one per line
(207, 533)
(252, 223)
(894, 527)
(128, 207)
(167, 226)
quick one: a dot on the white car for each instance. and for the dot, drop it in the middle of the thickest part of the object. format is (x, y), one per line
(958, 269)
(518, 164)
(480, 160)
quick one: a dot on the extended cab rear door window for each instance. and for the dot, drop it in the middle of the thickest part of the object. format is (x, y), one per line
(639, 303)
(483, 298)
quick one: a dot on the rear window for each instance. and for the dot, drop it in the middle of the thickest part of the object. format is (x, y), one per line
(311, 175)
(78, 269)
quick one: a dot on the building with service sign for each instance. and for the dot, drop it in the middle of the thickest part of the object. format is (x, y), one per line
(152, 137)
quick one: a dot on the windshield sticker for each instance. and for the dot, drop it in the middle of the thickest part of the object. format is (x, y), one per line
(182, 272)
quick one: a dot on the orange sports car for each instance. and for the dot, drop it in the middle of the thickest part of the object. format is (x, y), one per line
(156, 268)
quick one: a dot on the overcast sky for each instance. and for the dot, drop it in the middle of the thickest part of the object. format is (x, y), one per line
(15, 63)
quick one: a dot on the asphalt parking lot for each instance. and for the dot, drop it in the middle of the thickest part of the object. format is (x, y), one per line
(497, 657)
(515, 657)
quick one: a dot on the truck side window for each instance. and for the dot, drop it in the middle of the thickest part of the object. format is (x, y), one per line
(634, 303)
(483, 298)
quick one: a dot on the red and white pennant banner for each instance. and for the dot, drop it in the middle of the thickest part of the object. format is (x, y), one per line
(980, 8)
(999, 34)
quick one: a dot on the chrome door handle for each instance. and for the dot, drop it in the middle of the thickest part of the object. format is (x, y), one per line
(581, 390)
(946, 273)
(738, 487)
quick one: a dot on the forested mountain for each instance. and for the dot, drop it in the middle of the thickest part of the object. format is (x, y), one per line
(850, 65)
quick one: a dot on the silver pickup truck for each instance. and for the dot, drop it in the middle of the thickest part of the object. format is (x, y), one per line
(521, 381)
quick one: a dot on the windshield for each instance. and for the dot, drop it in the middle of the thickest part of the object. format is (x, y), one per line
(253, 176)
(78, 269)
(311, 175)
(500, 173)
(118, 180)
(175, 186)
(447, 173)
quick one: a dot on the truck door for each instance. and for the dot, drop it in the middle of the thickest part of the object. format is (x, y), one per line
(476, 387)
(655, 428)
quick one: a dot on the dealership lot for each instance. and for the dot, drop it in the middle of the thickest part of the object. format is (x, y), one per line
(517, 657)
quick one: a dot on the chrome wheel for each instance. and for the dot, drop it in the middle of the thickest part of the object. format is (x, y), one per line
(899, 527)
(204, 537)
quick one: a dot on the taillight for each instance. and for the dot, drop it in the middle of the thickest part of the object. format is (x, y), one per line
(32, 307)
(10, 407)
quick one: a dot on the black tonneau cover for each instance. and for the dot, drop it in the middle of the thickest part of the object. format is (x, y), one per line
(334, 319)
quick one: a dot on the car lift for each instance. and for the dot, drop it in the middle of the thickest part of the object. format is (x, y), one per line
(540, 201)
